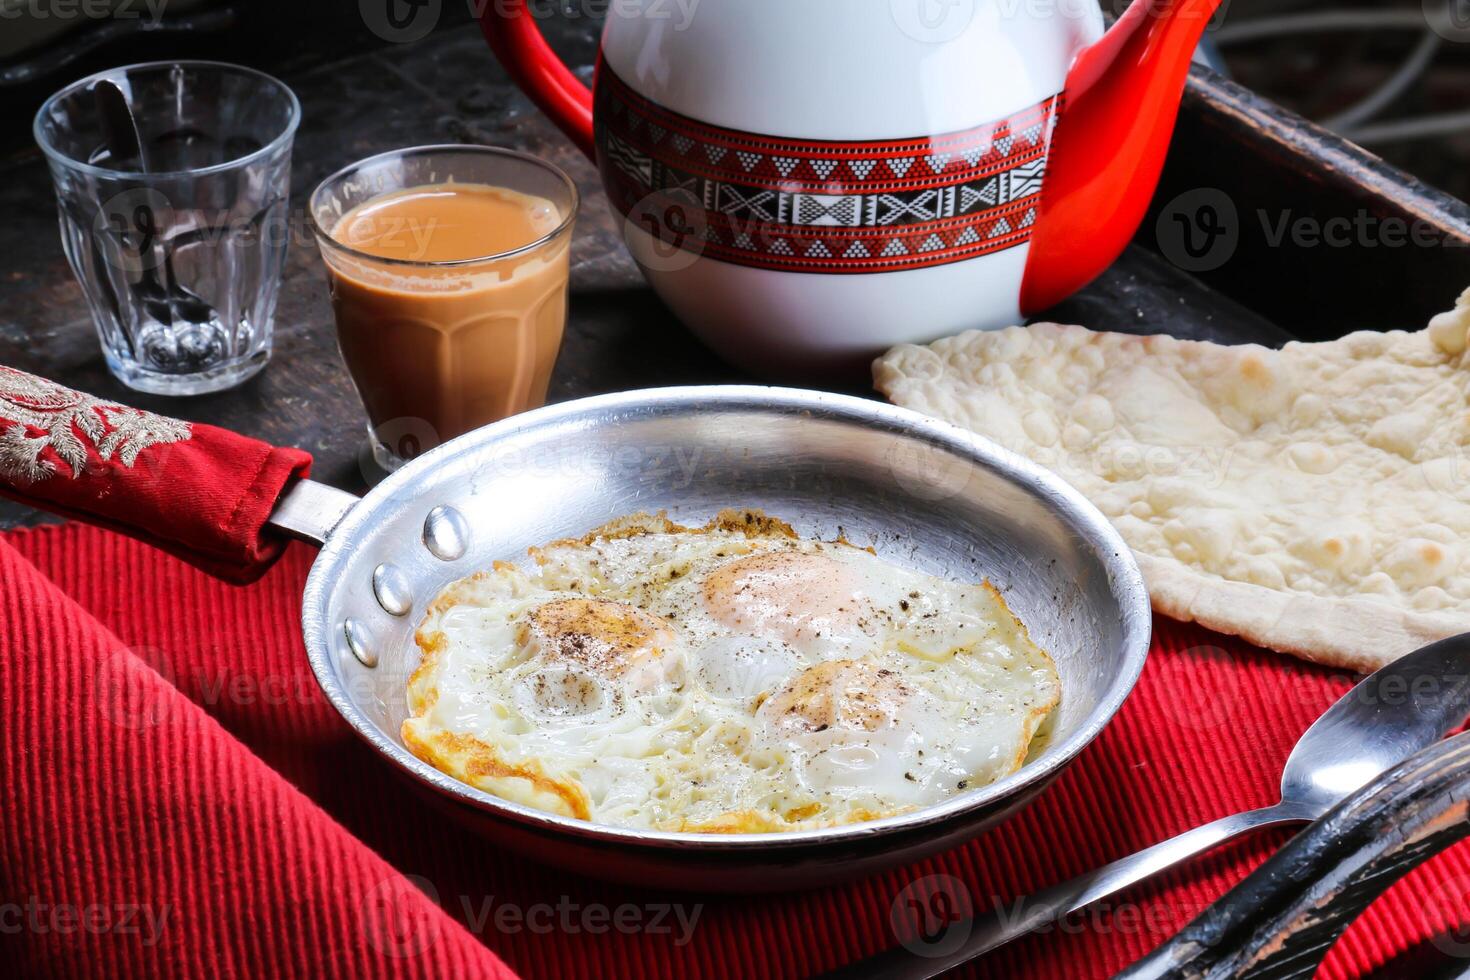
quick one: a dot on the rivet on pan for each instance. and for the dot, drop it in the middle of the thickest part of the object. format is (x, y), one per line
(390, 586)
(357, 643)
(446, 534)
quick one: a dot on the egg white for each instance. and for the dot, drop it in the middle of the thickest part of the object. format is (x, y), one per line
(732, 677)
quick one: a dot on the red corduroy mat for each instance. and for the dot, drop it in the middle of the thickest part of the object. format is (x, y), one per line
(179, 800)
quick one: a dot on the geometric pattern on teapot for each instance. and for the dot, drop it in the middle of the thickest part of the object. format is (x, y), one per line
(820, 205)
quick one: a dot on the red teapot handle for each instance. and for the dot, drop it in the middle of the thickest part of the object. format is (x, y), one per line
(516, 40)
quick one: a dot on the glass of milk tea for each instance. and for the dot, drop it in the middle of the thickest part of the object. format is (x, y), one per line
(448, 269)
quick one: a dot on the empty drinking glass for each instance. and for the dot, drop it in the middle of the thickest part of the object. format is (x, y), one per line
(175, 221)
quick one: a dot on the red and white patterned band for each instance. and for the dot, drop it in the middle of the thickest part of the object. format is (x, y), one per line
(821, 206)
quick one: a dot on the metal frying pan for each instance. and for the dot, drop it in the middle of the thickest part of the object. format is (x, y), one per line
(923, 493)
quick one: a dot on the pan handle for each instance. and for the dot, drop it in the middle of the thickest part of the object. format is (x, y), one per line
(202, 493)
(309, 510)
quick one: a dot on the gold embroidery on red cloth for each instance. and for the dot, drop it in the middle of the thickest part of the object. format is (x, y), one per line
(68, 421)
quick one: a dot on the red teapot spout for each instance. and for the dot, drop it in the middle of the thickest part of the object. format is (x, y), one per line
(1117, 113)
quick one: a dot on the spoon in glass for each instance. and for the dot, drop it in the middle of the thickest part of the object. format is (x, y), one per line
(168, 301)
(1391, 714)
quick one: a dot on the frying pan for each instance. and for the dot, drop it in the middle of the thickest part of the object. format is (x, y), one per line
(922, 493)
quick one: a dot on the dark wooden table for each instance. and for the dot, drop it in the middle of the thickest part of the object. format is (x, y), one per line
(448, 88)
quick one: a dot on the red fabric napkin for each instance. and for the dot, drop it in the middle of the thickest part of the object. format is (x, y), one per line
(177, 799)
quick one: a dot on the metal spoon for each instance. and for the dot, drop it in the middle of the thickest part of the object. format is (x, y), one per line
(1391, 714)
(119, 128)
(167, 301)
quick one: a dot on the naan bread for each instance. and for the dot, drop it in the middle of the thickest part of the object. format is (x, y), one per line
(1314, 500)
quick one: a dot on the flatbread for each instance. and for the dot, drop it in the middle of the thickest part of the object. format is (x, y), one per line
(1313, 499)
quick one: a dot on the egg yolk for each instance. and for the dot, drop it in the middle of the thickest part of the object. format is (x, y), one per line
(790, 595)
(607, 638)
(839, 694)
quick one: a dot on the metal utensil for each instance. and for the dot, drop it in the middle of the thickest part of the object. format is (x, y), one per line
(1388, 716)
(119, 129)
(166, 300)
(921, 493)
(1283, 920)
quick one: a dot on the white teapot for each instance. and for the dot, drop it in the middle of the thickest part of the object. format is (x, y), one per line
(807, 182)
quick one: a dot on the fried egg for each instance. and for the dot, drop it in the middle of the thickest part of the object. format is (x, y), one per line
(727, 678)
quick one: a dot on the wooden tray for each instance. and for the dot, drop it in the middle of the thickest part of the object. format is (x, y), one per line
(1330, 237)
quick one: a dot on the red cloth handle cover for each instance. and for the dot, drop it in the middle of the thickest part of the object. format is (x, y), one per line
(197, 491)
